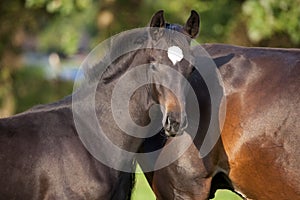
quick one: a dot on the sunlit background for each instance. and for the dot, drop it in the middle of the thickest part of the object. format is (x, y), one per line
(43, 42)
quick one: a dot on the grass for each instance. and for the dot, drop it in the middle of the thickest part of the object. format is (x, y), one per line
(142, 190)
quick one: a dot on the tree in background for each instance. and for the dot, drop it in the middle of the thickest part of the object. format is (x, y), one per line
(245, 22)
(27, 25)
(15, 22)
(273, 22)
(71, 26)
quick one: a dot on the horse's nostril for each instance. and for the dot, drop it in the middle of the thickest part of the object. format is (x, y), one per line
(171, 124)
(175, 125)
(167, 125)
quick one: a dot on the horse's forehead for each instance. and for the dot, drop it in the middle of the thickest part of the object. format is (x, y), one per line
(174, 44)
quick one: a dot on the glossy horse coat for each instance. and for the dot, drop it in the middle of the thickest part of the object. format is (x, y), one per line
(41, 155)
(258, 153)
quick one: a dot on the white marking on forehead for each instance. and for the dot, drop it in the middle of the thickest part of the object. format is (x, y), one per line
(175, 54)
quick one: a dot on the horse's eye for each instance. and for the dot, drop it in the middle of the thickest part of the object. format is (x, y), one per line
(193, 69)
(151, 59)
(153, 66)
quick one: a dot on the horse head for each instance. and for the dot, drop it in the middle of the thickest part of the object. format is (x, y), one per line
(170, 46)
(158, 60)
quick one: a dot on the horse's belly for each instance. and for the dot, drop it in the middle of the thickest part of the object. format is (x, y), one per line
(52, 168)
(263, 170)
(261, 139)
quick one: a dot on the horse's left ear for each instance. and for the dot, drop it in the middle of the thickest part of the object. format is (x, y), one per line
(192, 25)
(157, 22)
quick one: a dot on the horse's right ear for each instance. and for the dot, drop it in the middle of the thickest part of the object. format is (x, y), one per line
(157, 22)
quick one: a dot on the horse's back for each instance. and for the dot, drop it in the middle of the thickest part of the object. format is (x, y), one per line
(259, 147)
(261, 132)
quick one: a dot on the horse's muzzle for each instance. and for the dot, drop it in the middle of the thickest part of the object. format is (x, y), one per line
(174, 125)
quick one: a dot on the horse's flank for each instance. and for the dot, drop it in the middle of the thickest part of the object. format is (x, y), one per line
(261, 131)
(258, 152)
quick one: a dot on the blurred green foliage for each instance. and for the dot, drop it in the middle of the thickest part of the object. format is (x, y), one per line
(268, 17)
(60, 25)
(64, 7)
(244, 22)
(30, 87)
(69, 20)
(66, 26)
(7, 100)
(63, 34)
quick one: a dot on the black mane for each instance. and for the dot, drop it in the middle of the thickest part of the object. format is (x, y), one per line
(125, 180)
(174, 27)
(115, 62)
(116, 65)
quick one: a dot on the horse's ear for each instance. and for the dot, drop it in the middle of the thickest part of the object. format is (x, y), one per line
(157, 22)
(192, 25)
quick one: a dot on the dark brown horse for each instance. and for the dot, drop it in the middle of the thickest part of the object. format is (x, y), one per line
(41, 154)
(258, 153)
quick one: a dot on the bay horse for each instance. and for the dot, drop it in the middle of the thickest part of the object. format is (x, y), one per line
(257, 155)
(42, 155)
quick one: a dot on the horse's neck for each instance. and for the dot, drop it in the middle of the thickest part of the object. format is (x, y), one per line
(93, 113)
(104, 112)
